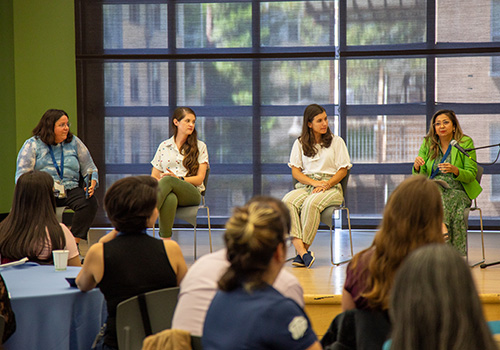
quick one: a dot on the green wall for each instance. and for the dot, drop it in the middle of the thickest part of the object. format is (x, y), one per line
(37, 58)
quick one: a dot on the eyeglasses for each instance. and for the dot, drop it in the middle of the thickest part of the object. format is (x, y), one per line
(63, 125)
(445, 123)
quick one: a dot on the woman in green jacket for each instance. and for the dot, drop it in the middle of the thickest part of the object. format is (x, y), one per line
(439, 160)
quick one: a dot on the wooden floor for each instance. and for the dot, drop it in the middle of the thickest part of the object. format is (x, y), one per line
(322, 284)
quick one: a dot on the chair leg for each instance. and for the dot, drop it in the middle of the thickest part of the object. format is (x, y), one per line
(195, 242)
(209, 230)
(350, 241)
(482, 240)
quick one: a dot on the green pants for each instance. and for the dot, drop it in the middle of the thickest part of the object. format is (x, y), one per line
(174, 192)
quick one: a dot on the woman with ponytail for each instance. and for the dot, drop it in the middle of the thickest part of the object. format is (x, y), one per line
(180, 165)
(247, 312)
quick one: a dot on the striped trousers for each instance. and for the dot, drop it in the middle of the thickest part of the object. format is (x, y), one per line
(306, 207)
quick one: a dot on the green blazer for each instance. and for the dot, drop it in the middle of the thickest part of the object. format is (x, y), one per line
(467, 168)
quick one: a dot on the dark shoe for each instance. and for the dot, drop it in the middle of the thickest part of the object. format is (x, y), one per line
(308, 259)
(298, 261)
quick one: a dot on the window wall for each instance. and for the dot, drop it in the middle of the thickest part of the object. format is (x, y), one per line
(248, 68)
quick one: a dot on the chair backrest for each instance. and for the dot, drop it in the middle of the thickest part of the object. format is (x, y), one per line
(205, 182)
(479, 173)
(143, 315)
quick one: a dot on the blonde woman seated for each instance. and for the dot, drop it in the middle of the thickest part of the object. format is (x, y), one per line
(128, 262)
(435, 305)
(31, 229)
(247, 312)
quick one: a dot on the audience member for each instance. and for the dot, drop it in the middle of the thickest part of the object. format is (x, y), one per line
(319, 161)
(412, 218)
(180, 165)
(31, 229)
(435, 305)
(199, 286)
(6, 312)
(247, 312)
(56, 151)
(131, 262)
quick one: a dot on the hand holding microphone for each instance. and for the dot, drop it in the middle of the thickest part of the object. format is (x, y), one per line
(88, 182)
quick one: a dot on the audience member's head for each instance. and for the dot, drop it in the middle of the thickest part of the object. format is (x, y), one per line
(252, 236)
(412, 218)
(24, 230)
(435, 305)
(131, 202)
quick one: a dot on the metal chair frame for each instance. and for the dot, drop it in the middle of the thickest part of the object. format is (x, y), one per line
(467, 211)
(190, 214)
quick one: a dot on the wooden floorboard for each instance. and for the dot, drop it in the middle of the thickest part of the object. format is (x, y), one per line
(322, 284)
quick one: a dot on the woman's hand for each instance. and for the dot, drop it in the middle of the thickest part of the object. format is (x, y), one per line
(91, 188)
(168, 173)
(448, 168)
(419, 161)
(321, 186)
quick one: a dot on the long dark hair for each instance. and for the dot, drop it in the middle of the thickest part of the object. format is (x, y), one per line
(433, 139)
(435, 304)
(45, 127)
(307, 138)
(190, 148)
(252, 234)
(23, 232)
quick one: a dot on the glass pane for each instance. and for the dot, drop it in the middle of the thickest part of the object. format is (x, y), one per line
(468, 79)
(136, 84)
(484, 130)
(368, 194)
(224, 192)
(376, 22)
(297, 23)
(134, 139)
(299, 82)
(277, 185)
(279, 133)
(385, 139)
(468, 21)
(214, 25)
(228, 139)
(386, 81)
(220, 83)
(137, 26)
(489, 199)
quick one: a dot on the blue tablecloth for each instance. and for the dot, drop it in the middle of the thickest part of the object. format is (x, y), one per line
(49, 313)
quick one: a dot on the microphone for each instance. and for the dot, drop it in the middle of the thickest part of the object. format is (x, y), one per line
(460, 148)
(88, 181)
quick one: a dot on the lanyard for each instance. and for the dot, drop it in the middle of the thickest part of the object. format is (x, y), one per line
(60, 171)
(435, 171)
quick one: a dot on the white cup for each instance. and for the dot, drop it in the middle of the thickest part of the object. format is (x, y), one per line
(60, 259)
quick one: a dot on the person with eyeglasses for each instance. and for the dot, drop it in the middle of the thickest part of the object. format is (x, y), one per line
(439, 160)
(199, 286)
(56, 151)
(247, 312)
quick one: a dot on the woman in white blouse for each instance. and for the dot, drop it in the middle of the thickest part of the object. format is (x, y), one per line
(319, 161)
(180, 165)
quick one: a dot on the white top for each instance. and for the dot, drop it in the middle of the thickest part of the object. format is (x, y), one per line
(326, 161)
(167, 156)
(199, 286)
